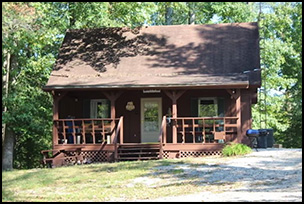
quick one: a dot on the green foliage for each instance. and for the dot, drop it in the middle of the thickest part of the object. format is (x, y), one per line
(234, 149)
(203, 12)
(131, 14)
(281, 59)
(29, 108)
(231, 12)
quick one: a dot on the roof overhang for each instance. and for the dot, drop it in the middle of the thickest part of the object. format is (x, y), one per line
(155, 86)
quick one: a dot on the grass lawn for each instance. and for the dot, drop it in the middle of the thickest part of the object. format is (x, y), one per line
(121, 181)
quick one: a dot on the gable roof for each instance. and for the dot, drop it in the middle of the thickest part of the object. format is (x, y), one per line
(159, 56)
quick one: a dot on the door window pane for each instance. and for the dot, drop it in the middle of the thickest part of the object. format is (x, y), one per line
(150, 117)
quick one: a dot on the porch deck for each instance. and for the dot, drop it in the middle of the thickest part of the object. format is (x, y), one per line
(101, 140)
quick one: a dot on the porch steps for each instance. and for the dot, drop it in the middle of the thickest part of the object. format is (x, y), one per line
(138, 151)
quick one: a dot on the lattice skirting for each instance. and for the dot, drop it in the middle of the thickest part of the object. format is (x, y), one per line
(189, 153)
(89, 156)
(166, 155)
(106, 156)
(183, 154)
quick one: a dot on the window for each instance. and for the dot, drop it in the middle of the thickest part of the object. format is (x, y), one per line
(211, 107)
(99, 108)
(207, 107)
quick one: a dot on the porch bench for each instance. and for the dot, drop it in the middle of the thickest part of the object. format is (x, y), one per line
(47, 157)
(74, 159)
(73, 149)
(48, 160)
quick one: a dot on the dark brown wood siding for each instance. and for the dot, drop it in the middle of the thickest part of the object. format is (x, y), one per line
(246, 114)
(75, 103)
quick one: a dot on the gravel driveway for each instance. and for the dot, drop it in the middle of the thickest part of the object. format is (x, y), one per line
(269, 175)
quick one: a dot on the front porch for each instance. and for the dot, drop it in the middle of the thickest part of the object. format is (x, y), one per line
(102, 139)
(86, 126)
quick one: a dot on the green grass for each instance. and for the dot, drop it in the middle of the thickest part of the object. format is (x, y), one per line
(235, 149)
(102, 182)
(95, 182)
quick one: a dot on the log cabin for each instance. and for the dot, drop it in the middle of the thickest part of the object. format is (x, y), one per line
(152, 92)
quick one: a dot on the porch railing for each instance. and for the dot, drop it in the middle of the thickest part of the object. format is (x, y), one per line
(85, 131)
(105, 130)
(202, 129)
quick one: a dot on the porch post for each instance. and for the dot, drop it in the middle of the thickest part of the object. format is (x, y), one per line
(112, 97)
(174, 95)
(56, 99)
(55, 117)
(113, 110)
(238, 114)
(113, 114)
(236, 94)
(174, 115)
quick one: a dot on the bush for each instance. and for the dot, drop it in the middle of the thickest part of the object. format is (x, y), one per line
(233, 149)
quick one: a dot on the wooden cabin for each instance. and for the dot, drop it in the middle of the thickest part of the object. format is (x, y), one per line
(153, 92)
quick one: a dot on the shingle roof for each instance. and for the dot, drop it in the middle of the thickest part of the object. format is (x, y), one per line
(158, 56)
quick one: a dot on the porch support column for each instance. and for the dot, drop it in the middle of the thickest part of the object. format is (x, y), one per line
(56, 98)
(236, 94)
(112, 96)
(174, 95)
(238, 114)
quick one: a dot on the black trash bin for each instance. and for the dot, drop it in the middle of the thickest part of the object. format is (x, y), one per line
(262, 139)
(270, 138)
(253, 135)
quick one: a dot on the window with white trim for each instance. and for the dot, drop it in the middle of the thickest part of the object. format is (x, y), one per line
(207, 107)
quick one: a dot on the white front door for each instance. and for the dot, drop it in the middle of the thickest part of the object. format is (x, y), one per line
(151, 112)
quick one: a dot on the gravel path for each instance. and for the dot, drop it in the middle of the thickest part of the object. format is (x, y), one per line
(269, 175)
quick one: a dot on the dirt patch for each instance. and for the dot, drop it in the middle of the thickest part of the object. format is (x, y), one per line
(266, 175)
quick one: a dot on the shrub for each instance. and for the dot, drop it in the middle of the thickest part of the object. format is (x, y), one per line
(233, 149)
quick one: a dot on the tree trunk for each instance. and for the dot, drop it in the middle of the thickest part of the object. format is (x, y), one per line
(169, 12)
(191, 17)
(8, 150)
(72, 12)
(6, 85)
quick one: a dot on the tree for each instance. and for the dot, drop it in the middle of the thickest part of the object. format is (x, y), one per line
(32, 34)
(176, 13)
(131, 14)
(281, 30)
(10, 29)
(234, 12)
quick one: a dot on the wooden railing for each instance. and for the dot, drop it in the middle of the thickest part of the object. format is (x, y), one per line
(85, 131)
(119, 131)
(162, 135)
(107, 130)
(202, 129)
